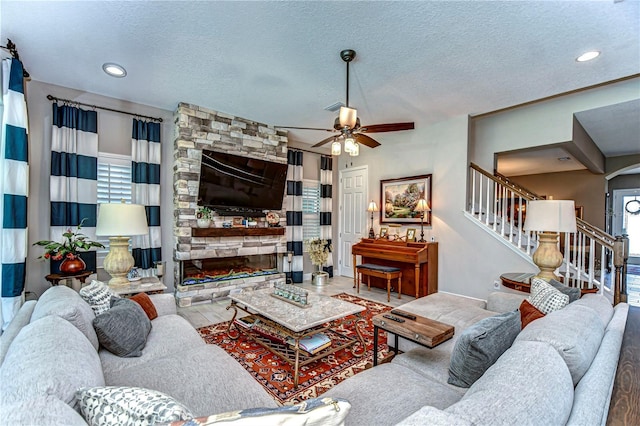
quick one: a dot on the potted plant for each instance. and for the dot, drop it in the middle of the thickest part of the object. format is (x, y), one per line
(203, 217)
(319, 250)
(74, 242)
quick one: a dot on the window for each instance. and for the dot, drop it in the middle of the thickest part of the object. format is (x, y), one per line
(311, 209)
(114, 185)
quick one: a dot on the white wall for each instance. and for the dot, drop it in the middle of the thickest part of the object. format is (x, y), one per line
(469, 259)
(114, 136)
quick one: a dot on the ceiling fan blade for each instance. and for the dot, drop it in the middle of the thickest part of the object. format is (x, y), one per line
(305, 128)
(366, 140)
(390, 127)
(324, 141)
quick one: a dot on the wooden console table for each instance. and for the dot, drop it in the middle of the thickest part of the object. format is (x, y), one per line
(521, 281)
(55, 279)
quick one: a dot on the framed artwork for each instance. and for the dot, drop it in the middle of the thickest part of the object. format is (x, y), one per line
(400, 196)
(411, 235)
(383, 232)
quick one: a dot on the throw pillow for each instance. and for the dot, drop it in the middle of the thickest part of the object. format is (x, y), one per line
(545, 297)
(315, 411)
(98, 296)
(123, 329)
(528, 313)
(145, 302)
(480, 345)
(119, 405)
(572, 292)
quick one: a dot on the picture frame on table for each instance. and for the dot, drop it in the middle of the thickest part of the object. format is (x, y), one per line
(411, 235)
(383, 232)
(398, 198)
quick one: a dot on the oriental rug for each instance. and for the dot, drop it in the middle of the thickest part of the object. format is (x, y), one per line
(276, 375)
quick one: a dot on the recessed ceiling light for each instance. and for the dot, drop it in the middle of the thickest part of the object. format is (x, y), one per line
(587, 56)
(114, 70)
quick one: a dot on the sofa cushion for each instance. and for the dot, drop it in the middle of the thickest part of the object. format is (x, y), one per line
(528, 313)
(49, 357)
(480, 345)
(204, 378)
(123, 329)
(116, 405)
(504, 302)
(66, 303)
(599, 304)
(572, 292)
(545, 297)
(21, 319)
(146, 304)
(432, 416)
(430, 363)
(314, 411)
(40, 410)
(98, 296)
(575, 332)
(170, 334)
(528, 385)
(387, 393)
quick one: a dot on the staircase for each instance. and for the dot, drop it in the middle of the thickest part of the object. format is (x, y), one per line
(593, 259)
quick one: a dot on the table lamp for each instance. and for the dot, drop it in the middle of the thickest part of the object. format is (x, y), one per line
(373, 207)
(119, 221)
(548, 217)
(422, 206)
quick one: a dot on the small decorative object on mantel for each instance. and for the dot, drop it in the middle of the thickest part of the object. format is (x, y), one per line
(273, 219)
(74, 243)
(319, 250)
(203, 217)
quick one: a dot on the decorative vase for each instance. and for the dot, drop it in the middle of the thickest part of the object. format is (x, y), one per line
(72, 266)
(204, 223)
(319, 278)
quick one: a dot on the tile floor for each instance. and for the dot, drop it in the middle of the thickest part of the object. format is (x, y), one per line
(215, 312)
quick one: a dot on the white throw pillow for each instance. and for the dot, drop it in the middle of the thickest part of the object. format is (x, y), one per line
(98, 296)
(120, 405)
(545, 297)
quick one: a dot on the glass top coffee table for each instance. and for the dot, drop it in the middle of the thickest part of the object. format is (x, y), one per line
(279, 325)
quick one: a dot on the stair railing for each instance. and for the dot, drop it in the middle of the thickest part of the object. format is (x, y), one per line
(500, 206)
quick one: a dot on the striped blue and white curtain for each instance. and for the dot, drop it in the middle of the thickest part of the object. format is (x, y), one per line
(74, 175)
(145, 190)
(14, 188)
(326, 206)
(295, 233)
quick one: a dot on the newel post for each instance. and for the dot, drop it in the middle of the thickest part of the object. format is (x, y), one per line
(620, 292)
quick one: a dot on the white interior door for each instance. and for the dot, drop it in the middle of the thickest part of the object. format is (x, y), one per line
(626, 221)
(353, 206)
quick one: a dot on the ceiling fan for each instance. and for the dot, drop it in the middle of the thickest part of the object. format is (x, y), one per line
(347, 124)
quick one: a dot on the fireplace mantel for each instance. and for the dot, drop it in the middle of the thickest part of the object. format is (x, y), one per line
(236, 232)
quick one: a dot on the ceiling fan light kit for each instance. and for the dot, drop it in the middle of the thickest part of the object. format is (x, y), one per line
(347, 124)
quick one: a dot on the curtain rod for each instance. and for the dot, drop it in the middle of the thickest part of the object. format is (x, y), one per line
(306, 150)
(13, 51)
(53, 98)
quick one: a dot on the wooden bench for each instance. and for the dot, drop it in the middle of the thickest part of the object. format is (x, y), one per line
(386, 272)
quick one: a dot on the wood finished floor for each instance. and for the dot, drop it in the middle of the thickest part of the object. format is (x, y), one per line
(216, 312)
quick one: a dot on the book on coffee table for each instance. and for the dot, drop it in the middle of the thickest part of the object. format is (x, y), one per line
(313, 344)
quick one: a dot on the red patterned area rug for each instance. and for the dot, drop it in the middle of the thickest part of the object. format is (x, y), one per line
(276, 375)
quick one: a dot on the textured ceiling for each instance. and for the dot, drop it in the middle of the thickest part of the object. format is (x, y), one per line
(278, 62)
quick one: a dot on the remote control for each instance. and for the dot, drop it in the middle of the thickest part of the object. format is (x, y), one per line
(404, 314)
(393, 318)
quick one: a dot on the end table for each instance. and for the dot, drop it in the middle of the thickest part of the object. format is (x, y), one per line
(55, 279)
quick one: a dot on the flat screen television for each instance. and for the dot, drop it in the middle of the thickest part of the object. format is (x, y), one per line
(231, 184)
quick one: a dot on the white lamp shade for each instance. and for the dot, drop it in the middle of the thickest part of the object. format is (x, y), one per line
(336, 148)
(356, 150)
(550, 215)
(348, 117)
(119, 219)
(422, 206)
(349, 144)
(373, 207)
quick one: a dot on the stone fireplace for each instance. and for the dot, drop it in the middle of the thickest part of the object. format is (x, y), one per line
(212, 262)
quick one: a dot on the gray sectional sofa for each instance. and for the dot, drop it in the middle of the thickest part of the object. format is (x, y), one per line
(50, 350)
(559, 370)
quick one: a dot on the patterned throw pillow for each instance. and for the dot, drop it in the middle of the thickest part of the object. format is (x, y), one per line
(545, 297)
(98, 296)
(120, 405)
(312, 412)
